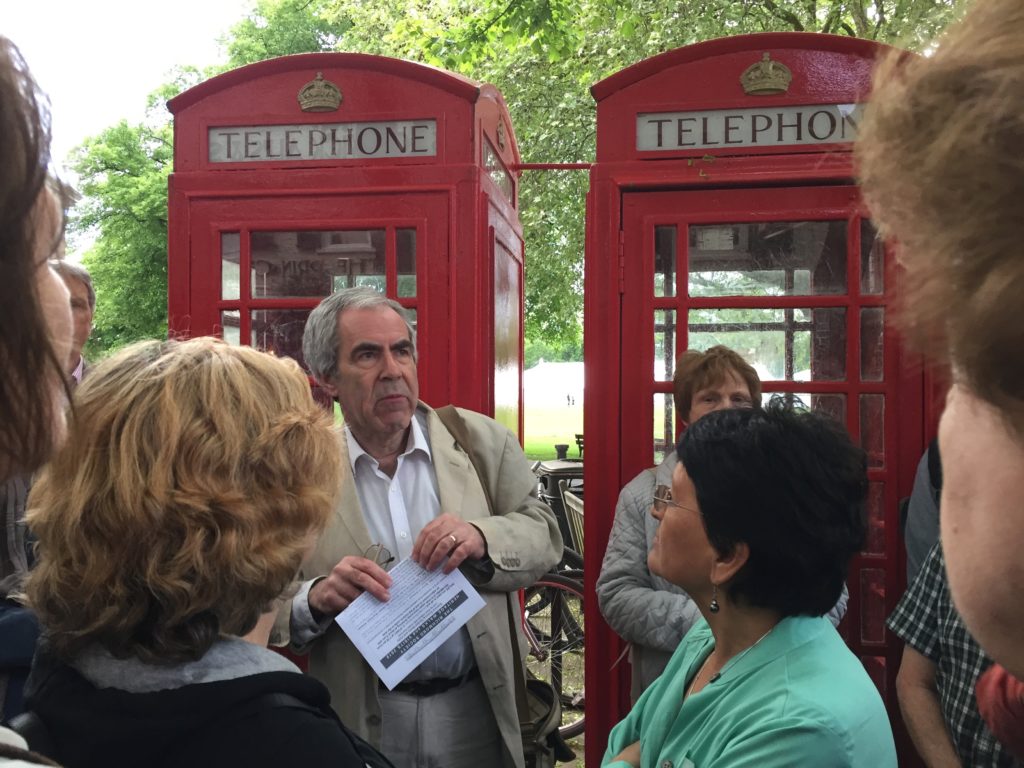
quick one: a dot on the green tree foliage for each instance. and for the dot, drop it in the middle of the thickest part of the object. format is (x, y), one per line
(123, 175)
(545, 54)
(542, 54)
(123, 214)
(123, 181)
(538, 351)
(281, 27)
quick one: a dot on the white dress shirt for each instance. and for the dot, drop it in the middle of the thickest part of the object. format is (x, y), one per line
(395, 510)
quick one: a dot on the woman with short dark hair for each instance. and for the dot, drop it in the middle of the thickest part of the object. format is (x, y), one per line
(649, 612)
(644, 609)
(765, 511)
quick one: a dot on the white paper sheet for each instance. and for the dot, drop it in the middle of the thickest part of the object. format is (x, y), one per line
(425, 609)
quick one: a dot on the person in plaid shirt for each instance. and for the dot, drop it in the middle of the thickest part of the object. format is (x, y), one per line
(941, 664)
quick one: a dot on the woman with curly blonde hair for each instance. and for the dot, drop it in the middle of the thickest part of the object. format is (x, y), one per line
(194, 481)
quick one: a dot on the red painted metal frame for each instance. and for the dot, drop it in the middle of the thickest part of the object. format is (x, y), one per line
(424, 212)
(501, 231)
(454, 276)
(552, 166)
(826, 70)
(642, 212)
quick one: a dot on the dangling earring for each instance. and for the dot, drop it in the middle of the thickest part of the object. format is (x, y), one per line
(714, 607)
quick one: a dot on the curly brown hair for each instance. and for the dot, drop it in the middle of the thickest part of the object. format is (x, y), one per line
(182, 505)
(941, 167)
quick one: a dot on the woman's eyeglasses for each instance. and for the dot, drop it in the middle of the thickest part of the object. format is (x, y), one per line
(663, 498)
(379, 554)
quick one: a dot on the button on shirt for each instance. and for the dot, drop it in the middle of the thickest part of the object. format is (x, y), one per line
(395, 510)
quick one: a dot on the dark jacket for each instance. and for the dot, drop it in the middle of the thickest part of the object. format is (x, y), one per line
(223, 723)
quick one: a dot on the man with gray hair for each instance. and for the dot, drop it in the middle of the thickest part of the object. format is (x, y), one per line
(410, 490)
(83, 307)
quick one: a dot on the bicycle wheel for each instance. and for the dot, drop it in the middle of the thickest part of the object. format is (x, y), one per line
(554, 630)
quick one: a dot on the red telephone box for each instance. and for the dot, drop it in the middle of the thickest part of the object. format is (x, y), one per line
(723, 210)
(300, 175)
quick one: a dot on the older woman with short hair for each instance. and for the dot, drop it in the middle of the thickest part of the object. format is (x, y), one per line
(170, 525)
(764, 514)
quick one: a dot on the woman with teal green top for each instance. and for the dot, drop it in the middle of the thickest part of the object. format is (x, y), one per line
(765, 512)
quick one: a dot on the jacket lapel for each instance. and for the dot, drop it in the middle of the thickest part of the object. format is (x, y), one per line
(348, 512)
(454, 472)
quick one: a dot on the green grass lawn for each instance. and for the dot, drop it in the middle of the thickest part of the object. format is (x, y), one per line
(543, 427)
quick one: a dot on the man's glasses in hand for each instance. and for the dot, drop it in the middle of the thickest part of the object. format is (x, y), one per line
(379, 554)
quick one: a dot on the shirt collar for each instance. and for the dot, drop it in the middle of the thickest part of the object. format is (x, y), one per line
(79, 370)
(417, 441)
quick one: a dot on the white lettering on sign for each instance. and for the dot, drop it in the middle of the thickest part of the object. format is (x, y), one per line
(760, 127)
(335, 141)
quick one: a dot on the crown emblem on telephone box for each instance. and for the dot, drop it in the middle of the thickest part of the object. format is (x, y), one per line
(766, 77)
(319, 95)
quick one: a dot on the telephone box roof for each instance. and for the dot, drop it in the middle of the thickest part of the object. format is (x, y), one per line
(736, 44)
(449, 81)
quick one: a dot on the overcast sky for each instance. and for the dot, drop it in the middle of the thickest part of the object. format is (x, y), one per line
(99, 59)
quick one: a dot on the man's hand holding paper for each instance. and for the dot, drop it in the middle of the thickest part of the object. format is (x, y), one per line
(425, 609)
(350, 578)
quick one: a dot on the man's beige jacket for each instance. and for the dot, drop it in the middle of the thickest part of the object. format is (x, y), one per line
(523, 542)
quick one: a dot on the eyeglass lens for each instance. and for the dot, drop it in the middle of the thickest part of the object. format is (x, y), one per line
(379, 554)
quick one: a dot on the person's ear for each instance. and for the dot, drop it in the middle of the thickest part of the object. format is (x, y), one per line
(329, 388)
(725, 566)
